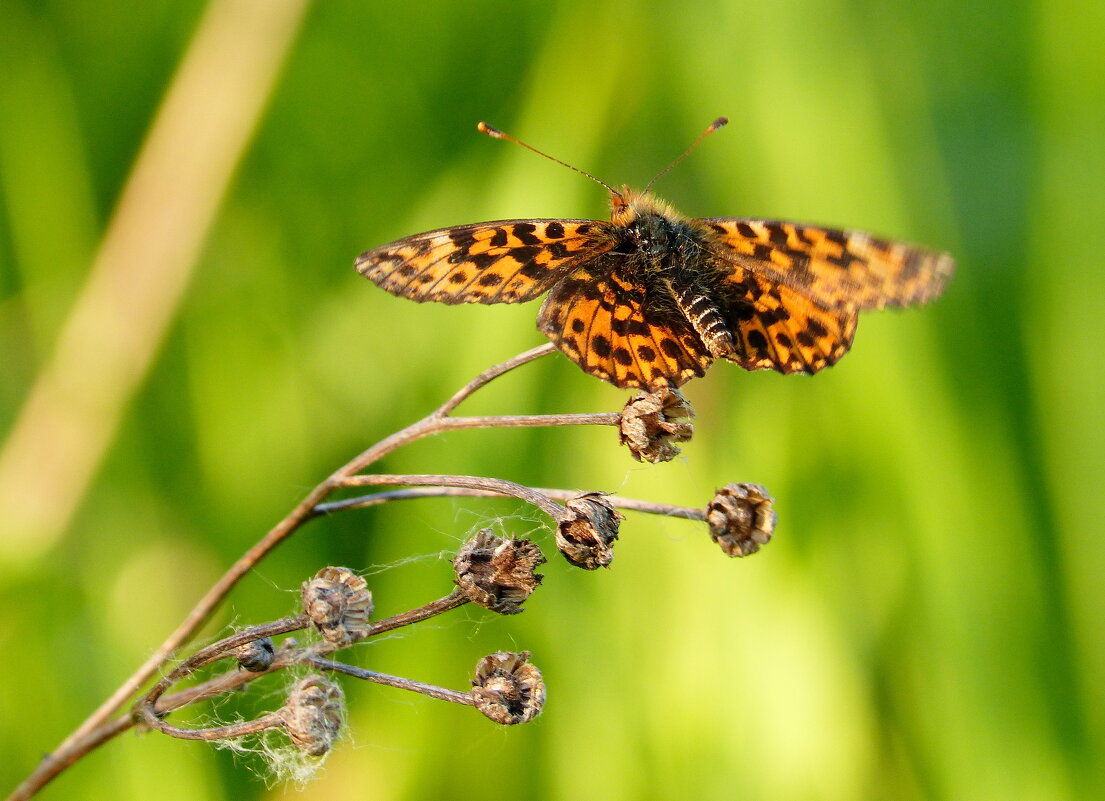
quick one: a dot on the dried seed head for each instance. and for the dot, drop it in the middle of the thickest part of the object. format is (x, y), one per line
(507, 688)
(497, 573)
(338, 603)
(741, 518)
(313, 713)
(586, 538)
(256, 655)
(652, 422)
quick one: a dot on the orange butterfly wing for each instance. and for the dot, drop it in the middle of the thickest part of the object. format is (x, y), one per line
(776, 327)
(836, 269)
(601, 318)
(791, 293)
(508, 261)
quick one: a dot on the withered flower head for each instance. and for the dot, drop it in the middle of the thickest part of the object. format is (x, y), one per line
(586, 537)
(339, 604)
(313, 713)
(256, 655)
(507, 688)
(652, 422)
(741, 518)
(497, 573)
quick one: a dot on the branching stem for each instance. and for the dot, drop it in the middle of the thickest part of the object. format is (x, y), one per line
(103, 724)
(92, 731)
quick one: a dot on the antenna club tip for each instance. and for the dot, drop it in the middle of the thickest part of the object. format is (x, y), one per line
(483, 127)
(719, 122)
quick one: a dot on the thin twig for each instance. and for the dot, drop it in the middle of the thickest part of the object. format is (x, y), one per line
(377, 498)
(489, 375)
(239, 729)
(451, 601)
(150, 711)
(496, 485)
(287, 654)
(285, 657)
(219, 650)
(431, 690)
(532, 420)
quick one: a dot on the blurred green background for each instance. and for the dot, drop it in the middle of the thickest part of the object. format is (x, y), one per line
(927, 623)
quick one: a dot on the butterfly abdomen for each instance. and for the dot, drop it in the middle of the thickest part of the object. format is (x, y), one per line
(704, 315)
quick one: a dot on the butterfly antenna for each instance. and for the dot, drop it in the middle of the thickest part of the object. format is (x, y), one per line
(718, 123)
(495, 133)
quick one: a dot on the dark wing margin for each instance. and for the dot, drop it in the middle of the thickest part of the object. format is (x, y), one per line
(507, 261)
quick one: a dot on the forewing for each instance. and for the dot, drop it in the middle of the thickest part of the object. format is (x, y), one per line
(508, 261)
(775, 327)
(602, 321)
(834, 268)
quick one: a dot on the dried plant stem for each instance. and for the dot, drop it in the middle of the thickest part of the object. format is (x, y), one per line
(377, 498)
(99, 727)
(492, 373)
(240, 729)
(219, 685)
(635, 505)
(495, 485)
(219, 650)
(151, 712)
(451, 601)
(431, 690)
(287, 656)
(530, 421)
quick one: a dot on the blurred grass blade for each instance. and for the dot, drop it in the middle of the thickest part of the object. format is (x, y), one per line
(148, 252)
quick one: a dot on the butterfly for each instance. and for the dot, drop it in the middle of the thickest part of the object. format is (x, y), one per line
(650, 298)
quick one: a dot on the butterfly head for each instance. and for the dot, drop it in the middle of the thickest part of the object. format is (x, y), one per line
(628, 205)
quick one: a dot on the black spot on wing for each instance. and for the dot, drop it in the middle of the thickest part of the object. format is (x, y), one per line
(524, 232)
